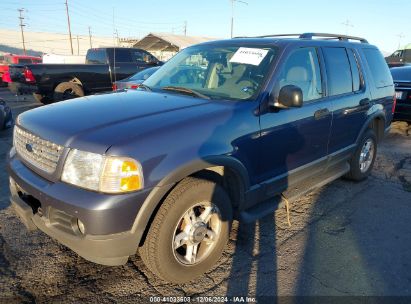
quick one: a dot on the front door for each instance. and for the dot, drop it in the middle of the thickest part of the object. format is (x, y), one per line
(296, 139)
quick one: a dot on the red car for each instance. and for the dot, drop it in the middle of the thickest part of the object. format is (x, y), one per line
(7, 59)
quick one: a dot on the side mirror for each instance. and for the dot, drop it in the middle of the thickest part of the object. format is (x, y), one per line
(152, 61)
(290, 96)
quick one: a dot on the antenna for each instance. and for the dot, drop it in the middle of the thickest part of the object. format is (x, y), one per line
(232, 13)
(21, 27)
(69, 28)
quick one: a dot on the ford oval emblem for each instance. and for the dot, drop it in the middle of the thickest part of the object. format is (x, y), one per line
(29, 148)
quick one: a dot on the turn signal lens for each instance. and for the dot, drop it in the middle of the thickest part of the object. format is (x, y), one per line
(121, 175)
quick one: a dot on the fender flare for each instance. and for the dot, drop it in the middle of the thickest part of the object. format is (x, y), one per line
(156, 195)
(375, 115)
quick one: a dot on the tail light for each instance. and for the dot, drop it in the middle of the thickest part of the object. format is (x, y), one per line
(134, 86)
(115, 87)
(394, 104)
(6, 77)
(28, 75)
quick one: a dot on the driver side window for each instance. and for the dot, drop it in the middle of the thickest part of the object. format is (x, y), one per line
(302, 69)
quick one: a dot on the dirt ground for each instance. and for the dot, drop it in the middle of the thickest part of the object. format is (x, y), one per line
(346, 239)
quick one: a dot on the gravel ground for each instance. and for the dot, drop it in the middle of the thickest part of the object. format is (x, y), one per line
(346, 239)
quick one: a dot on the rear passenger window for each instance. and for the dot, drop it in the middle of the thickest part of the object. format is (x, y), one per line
(379, 68)
(338, 71)
(356, 80)
(302, 69)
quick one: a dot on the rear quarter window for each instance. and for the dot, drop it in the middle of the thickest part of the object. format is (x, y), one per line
(378, 67)
(97, 56)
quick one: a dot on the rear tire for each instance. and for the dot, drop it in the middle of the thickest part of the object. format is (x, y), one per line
(201, 212)
(67, 90)
(363, 159)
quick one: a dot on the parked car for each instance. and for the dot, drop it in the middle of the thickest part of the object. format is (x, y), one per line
(400, 57)
(402, 81)
(165, 169)
(104, 66)
(8, 59)
(6, 116)
(134, 81)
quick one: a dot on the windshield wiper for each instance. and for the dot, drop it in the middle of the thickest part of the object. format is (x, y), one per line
(145, 87)
(186, 91)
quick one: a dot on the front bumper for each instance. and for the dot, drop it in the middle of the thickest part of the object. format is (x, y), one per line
(55, 208)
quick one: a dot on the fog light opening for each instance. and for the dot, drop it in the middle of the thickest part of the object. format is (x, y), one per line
(81, 226)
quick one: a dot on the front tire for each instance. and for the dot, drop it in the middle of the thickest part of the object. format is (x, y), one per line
(189, 231)
(363, 159)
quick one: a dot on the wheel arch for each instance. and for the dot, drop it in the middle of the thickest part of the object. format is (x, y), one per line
(375, 122)
(73, 79)
(224, 170)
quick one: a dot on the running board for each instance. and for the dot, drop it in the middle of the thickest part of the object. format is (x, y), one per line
(269, 206)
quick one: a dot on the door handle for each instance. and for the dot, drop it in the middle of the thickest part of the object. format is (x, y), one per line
(321, 113)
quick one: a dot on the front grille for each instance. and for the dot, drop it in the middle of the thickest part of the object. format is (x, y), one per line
(40, 153)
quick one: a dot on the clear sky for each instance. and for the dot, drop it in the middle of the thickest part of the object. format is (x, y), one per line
(382, 22)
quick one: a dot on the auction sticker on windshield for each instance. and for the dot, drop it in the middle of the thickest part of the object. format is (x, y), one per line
(249, 56)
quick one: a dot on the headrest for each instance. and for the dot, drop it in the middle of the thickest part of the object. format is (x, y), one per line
(297, 74)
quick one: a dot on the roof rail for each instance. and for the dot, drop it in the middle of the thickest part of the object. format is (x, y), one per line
(311, 35)
(326, 35)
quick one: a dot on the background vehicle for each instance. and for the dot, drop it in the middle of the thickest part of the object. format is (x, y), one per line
(8, 59)
(222, 131)
(134, 81)
(6, 116)
(402, 81)
(104, 66)
(400, 57)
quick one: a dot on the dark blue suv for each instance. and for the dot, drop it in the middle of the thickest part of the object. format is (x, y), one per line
(223, 131)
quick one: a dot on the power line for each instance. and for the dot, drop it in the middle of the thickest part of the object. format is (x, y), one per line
(69, 29)
(21, 27)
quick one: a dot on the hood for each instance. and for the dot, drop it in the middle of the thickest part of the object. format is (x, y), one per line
(94, 123)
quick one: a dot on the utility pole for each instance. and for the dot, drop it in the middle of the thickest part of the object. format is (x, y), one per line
(347, 24)
(89, 35)
(185, 28)
(21, 27)
(400, 36)
(69, 28)
(232, 14)
(118, 39)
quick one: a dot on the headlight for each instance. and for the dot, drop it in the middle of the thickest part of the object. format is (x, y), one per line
(108, 174)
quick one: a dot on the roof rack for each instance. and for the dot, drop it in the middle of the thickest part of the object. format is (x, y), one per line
(311, 35)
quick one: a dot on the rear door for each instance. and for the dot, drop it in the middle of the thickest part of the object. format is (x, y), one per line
(349, 95)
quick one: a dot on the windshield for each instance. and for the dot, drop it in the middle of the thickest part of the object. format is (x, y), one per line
(218, 72)
(143, 75)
